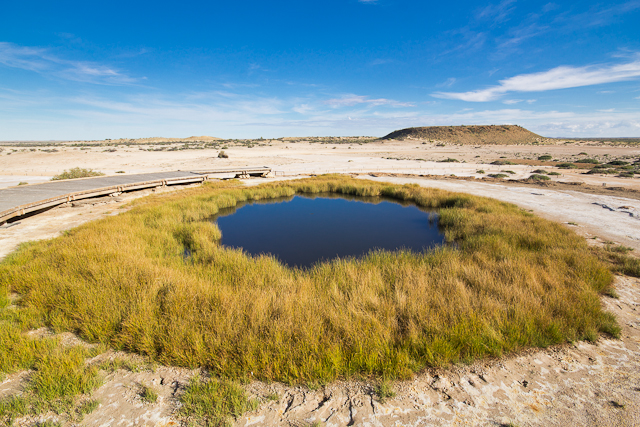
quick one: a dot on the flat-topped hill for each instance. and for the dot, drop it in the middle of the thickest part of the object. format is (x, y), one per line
(474, 135)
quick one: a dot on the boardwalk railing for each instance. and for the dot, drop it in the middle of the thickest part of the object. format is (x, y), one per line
(18, 201)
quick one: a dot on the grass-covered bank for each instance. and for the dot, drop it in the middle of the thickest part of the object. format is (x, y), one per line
(514, 280)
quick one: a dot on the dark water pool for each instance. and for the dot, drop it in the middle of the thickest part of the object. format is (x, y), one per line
(301, 231)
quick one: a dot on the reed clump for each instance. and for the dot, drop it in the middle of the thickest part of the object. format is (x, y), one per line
(511, 280)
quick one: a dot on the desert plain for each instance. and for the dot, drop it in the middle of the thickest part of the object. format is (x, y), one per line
(573, 384)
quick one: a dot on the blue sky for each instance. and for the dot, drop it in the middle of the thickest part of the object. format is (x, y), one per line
(95, 70)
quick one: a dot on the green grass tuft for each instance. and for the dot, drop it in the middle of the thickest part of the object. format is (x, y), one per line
(384, 391)
(214, 402)
(619, 260)
(62, 373)
(149, 394)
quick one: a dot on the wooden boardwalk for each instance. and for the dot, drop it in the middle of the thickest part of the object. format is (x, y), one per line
(18, 201)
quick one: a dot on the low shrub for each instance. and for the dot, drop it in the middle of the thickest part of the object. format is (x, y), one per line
(602, 171)
(566, 165)
(538, 177)
(501, 162)
(74, 173)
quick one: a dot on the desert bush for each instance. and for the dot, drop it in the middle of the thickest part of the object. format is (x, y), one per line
(617, 163)
(566, 165)
(538, 177)
(223, 155)
(502, 162)
(545, 157)
(602, 171)
(76, 173)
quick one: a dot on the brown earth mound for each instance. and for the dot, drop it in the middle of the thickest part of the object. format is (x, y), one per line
(473, 135)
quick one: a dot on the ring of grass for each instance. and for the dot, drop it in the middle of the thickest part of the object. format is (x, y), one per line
(512, 280)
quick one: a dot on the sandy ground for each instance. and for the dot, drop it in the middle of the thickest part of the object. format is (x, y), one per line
(572, 385)
(416, 157)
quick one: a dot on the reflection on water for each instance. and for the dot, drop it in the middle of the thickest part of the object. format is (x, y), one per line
(301, 230)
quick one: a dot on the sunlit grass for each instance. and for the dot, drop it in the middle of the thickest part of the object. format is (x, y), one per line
(214, 402)
(59, 375)
(512, 280)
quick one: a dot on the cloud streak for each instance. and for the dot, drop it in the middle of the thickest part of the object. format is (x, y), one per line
(351, 100)
(38, 115)
(42, 61)
(563, 77)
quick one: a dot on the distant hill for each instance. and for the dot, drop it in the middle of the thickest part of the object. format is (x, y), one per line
(472, 135)
(160, 139)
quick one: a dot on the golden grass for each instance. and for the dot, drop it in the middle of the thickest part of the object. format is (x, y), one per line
(513, 280)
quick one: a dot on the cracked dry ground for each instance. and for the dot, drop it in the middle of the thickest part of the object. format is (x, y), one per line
(570, 385)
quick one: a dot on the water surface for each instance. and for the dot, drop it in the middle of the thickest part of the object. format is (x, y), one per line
(301, 230)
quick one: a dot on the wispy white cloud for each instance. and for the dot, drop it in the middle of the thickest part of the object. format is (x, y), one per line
(599, 16)
(471, 40)
(228, 114)
(351, 100)
(380, 61)
(557, 78)
(511, 101)
(496, 12)
(44, 62)
(447, 83)
(520, 34)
